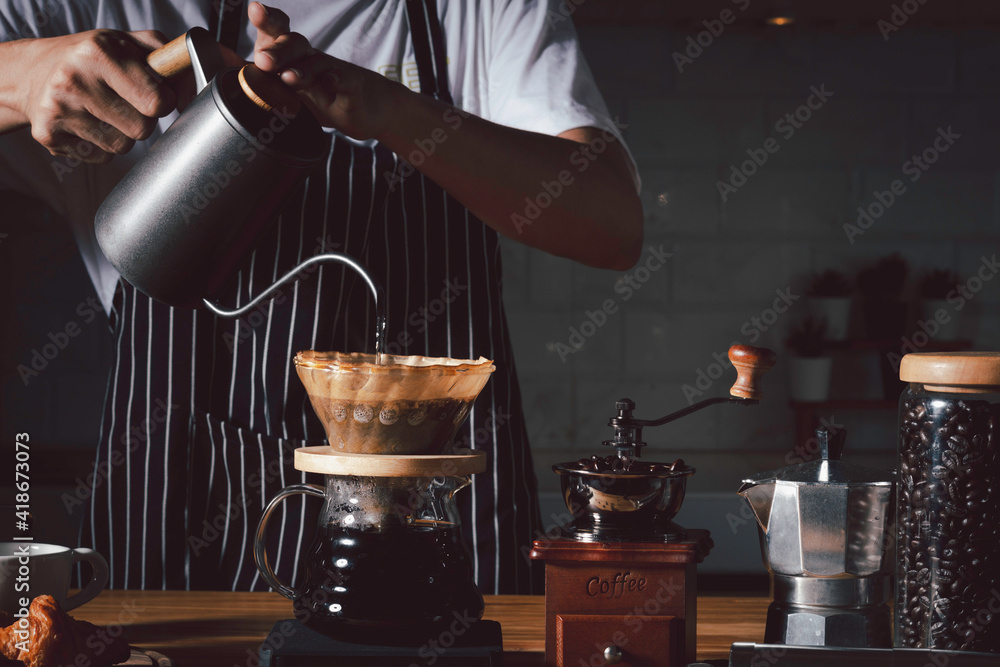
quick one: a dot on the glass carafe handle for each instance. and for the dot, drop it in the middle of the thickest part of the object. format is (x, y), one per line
(260, 543)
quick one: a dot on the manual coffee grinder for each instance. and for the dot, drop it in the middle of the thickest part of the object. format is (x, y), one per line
(388, 570)
(620, 580)
(824, 530)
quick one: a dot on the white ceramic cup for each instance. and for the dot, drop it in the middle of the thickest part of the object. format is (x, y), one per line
(28, 570)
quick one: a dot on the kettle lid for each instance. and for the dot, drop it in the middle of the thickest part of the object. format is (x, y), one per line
(827, 469)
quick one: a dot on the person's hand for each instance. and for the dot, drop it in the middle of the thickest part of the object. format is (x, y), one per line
(351, 99)
(89, 95)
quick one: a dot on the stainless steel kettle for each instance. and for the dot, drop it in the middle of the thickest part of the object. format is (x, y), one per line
(180, 222)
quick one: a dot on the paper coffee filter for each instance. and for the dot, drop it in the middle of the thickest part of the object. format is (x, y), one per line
(406, 405)
(358, 377)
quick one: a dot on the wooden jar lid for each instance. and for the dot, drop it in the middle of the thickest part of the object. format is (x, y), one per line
(326, 460)
(956, 370)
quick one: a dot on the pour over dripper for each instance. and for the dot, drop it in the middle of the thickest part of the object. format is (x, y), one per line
(403, 405)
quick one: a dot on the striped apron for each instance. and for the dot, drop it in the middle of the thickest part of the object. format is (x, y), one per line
(202, 414)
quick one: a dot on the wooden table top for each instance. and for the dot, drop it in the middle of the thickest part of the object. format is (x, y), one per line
(221, 628)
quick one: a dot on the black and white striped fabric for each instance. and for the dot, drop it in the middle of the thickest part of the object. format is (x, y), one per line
(203, 414)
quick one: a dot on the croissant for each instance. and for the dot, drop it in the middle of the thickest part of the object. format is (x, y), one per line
(56, 639)
(8, 641)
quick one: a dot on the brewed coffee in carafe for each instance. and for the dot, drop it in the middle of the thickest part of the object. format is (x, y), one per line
(398, 567)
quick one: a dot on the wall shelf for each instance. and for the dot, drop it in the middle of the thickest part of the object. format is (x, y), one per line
(806, 411)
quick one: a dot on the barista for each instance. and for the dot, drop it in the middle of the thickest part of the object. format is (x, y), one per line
(205, 412)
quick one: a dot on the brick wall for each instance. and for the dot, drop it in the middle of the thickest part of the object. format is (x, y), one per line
(686, 130)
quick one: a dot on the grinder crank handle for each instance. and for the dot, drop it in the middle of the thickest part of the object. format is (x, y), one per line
(751, 363)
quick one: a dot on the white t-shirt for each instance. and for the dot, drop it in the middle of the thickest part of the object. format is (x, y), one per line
(513, 62)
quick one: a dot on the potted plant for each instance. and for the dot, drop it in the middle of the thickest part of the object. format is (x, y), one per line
(881, 287)
(933, 288)
(829, 299)
(809, 367)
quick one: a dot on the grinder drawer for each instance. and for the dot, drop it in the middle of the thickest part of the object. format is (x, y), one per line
(634, 640)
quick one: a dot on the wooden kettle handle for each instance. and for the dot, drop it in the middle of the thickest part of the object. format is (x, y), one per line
(751, 363)
(170, 59)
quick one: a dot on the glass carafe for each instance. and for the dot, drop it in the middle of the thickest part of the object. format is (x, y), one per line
(388, 555)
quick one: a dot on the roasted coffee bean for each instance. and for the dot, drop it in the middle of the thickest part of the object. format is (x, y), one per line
(942, 606)
(948, 522)
(952, 461)
(958, 444)
(953, 510)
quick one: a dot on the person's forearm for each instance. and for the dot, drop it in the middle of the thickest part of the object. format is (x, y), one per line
(547, 192)
(13, 77)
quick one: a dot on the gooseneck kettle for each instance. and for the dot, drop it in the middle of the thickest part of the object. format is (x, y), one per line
(181, 221)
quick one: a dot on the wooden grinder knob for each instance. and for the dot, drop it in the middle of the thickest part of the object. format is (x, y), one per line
(751, 363)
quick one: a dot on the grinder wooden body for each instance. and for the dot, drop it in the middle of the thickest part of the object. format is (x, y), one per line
(630, 604)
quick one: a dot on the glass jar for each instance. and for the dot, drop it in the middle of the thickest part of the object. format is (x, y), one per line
(948, 507)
